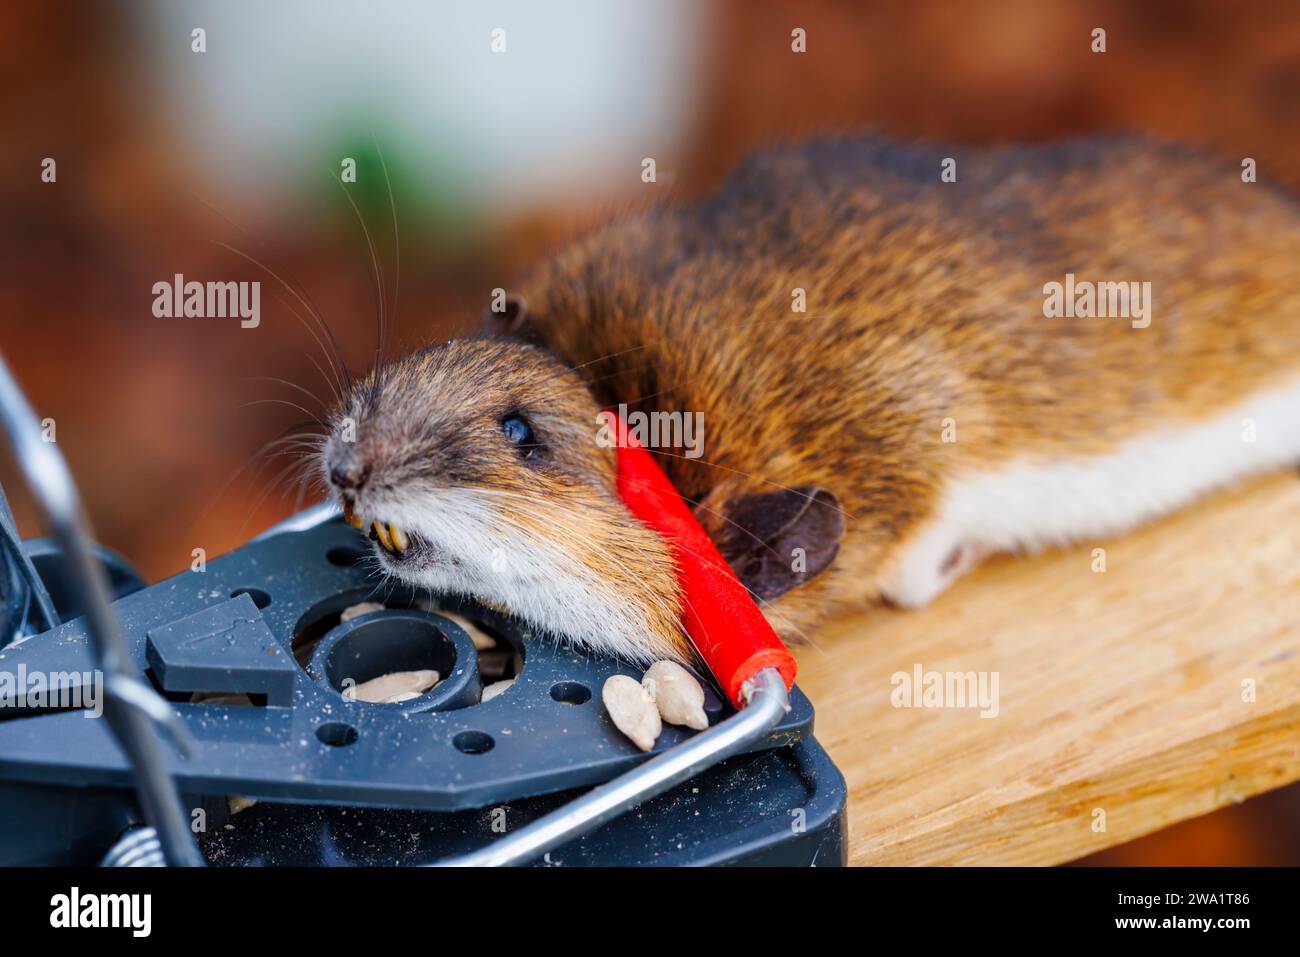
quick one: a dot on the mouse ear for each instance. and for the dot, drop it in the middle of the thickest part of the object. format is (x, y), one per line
(778, 540)
(509, 322)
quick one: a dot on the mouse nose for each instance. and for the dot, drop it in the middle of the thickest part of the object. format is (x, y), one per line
(348, 474)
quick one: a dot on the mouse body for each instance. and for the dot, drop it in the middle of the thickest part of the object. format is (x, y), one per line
(894, 374)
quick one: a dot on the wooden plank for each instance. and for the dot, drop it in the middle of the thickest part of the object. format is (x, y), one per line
(1119, 691)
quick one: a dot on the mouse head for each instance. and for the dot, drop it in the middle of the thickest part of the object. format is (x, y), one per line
(476, 467)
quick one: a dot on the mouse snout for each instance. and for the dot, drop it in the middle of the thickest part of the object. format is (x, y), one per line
(347, 472)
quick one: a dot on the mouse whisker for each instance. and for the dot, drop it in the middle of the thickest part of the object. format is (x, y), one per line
(273, 401)
(288, 439)
(298, 462)
(303, 390)
(333, 381)
(379, 291)
(342, 382)
(333, 353)
(397, 250)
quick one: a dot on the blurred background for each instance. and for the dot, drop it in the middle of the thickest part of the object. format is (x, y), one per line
(207, 164)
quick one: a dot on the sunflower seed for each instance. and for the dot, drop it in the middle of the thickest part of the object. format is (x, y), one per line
(387, 688)
(361, 608)
(495, 688)
(632, 710)
(482, 640)
(237, 802)
(676, 694)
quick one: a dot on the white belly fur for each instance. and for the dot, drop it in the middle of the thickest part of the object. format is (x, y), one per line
(1032, 505)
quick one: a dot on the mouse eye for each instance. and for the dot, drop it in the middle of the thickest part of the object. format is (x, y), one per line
(520, 434)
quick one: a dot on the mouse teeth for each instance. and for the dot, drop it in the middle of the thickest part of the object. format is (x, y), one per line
(399, 538)
(390, 537)
(350, 516)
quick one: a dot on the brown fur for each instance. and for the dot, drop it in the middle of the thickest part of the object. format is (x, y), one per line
(925, 301)
(431, 422)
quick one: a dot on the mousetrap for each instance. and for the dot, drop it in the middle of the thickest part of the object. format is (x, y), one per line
(234, 682)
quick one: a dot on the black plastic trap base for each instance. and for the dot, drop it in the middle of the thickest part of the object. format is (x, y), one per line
(257, 637)
(783, 807)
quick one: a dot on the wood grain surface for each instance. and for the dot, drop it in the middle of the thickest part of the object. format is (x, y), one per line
(1124, 696)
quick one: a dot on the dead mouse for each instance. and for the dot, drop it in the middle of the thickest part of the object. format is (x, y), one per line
(948, 389)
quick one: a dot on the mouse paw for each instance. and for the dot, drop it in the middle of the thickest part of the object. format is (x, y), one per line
(927, 570)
